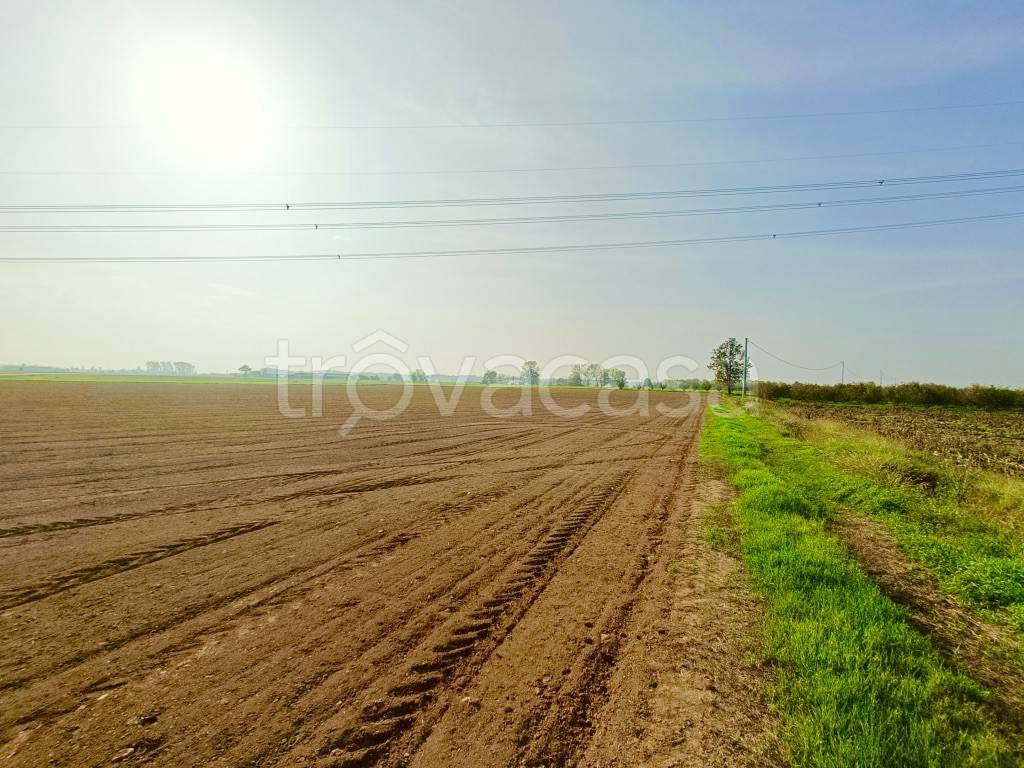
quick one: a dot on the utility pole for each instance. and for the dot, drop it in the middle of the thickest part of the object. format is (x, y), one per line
(746, 345)
(879, 378)
(842, 376)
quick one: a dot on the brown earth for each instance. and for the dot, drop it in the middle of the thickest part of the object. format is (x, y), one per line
(992, 440)
(192, 579)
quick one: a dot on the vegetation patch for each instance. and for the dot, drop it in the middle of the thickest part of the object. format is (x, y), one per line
(964, 525)
(720, 531)
(857, 684)
(973, 439)
(909, 393)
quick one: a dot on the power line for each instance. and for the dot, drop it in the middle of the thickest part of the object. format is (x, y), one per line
(415, 224)
(548, 169)
(527, 249)
(142, 259)
(853, 373)
(794, 365)
(846, 368)
(526, 200)
(567, 123)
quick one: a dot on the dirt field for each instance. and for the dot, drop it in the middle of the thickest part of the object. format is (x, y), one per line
(992, 440)
(191, 579)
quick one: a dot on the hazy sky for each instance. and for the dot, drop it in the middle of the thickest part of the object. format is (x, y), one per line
(131, 102)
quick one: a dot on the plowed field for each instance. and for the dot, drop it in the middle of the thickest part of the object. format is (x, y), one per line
(190, 579)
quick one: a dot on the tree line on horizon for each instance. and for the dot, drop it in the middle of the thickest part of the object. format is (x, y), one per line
(168, 368)
(591, 375)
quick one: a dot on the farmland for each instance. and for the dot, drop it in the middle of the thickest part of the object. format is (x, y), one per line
(191, 579)
(991, 440)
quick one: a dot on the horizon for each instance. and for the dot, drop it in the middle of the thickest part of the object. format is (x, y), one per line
(443, 377)
(230, 105)
(490, 384)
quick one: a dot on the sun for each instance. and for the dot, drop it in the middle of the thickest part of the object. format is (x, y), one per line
(205, 104)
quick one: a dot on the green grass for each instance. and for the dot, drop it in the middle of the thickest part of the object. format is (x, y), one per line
(857, 686)
(720, 531)
(107, 378)
(296, 379)
(142, 378)
(967, 526)
(101, 378)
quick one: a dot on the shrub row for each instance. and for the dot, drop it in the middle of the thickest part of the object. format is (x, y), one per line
(911, 393)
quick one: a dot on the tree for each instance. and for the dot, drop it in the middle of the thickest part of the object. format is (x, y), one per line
(594, 373)
(184, 369)
(727, 363)
(419, 376)
(648, 384)
(245, 370)
(531, 373)
(576, 377)
(490, 377)
(617, 377)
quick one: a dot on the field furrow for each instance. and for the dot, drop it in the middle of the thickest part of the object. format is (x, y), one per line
(199, 580)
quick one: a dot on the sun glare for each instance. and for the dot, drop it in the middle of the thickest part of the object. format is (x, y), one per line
(207, 105)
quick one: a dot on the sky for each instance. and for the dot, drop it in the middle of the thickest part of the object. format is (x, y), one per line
(271, 102)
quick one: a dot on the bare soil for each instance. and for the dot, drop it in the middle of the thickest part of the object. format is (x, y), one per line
(191, 579)
(992, 440)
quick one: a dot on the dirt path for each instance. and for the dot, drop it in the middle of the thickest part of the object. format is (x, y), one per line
(972, 644)
(192, 579)
(688, 689)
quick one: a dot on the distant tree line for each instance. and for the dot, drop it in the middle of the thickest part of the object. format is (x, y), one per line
(584, 375)
(167, 368)
(494, 377)
(529, 375)
(911, 393)
(594, 375)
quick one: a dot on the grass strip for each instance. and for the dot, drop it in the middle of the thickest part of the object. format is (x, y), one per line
(964, 525)
(857, 686)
